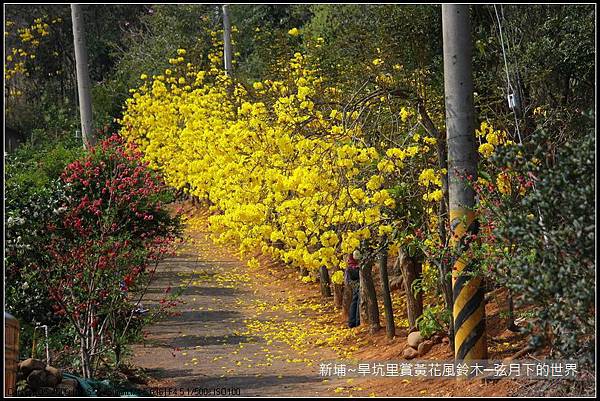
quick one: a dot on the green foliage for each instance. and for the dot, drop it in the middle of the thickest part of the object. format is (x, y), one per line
(47, 103)
(354, 35)
(32, 167)
(433, 320)
(42, 119)
(61, 338)
(26, 296)
(263, 42)
(417, 286)
(56, 239)
(32, 199)
(550, 54)
(550, 236)
(162, 30)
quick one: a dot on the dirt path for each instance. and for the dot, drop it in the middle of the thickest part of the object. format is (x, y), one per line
(256, 331)
(206, 347)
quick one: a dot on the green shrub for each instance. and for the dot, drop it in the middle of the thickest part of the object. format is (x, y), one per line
(32, 198)
(548, 238)
(88, 234)
(433, 320)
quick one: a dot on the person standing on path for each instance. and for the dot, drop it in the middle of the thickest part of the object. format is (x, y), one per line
(352, 280)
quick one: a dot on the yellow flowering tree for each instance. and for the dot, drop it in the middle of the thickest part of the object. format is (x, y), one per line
(293, 167)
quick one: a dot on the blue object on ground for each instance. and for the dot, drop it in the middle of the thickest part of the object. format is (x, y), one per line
(91, 388)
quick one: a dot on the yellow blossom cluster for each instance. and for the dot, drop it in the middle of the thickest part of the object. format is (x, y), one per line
(283, 171)
(492, 137)
(25, 41)
(505, 180)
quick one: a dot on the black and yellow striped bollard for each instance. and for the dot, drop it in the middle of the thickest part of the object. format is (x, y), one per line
(467, 287)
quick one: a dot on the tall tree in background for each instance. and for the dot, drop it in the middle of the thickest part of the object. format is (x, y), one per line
(83, 76)
(226, 40)
(469, 306)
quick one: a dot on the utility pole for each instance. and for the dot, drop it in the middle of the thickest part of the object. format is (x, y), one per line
(83, 77)
(468, 295)
(226, 40)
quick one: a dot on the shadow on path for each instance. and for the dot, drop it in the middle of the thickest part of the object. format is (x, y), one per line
(202, 345)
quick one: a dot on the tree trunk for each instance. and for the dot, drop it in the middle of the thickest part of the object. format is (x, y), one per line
(338, 295)
(445, 278)
(226, 40)
(86, 363)
(395, 277)
(346, 299)
(411, 270)
(387, 299)
(362, 304)
(325, 282)
(83, 77)
(118, 354)
(368, 299)
(510, 321)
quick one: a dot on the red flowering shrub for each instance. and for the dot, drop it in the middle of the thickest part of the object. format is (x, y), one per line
(109, 234)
